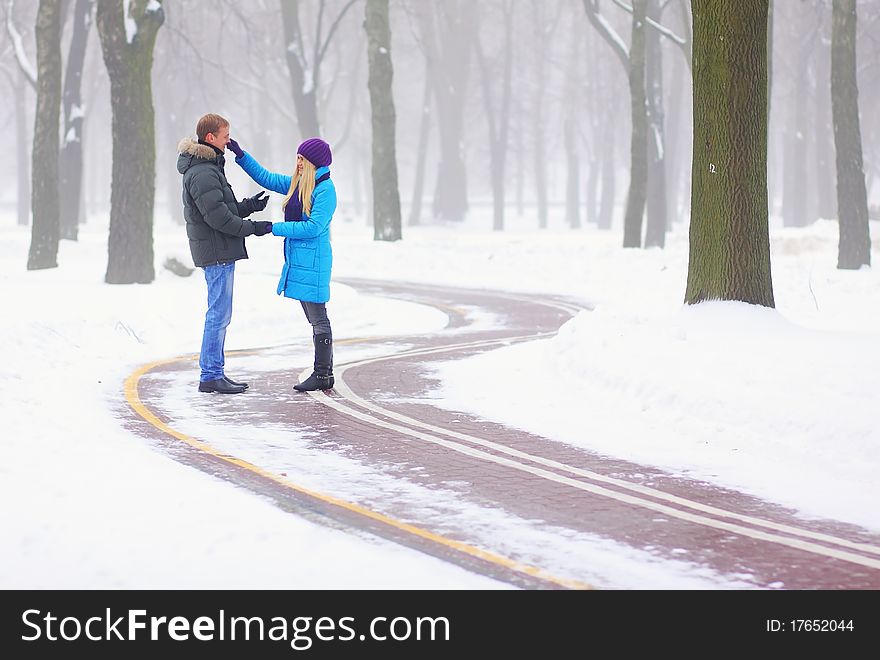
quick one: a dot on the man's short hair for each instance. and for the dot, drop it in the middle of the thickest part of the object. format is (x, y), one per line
(210, 123)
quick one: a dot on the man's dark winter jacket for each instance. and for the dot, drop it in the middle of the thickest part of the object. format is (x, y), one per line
(214, 219)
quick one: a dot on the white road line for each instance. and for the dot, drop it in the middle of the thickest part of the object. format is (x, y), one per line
(344, 391)
(599, 490)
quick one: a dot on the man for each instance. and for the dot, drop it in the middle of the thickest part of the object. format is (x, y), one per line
(216, 231)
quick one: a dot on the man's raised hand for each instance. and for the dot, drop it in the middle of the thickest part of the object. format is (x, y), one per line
(257, 202)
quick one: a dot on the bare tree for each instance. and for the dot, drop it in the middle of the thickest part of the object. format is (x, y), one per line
(497, 107)
(646, 111)
(415, 209)
(447, 30)
(729, 233)
(799, 29)
(305, 70)
(45, 230)
(572, 108)
(425, 118)
(18, 87)
(854, 248)
(655, 229)
(386, 196)
(20, 82)
(545, 27)
(27, 68)
(823, 130)
(71, 157)
(127, 44)
(606, 205)
(603, 142)
(633, 60)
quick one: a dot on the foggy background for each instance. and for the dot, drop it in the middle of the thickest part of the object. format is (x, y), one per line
(568, 102)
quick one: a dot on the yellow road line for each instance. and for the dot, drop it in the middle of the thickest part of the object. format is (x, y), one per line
(133, 398)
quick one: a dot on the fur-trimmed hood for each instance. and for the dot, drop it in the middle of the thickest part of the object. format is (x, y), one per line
(189, 146)
(190, 150)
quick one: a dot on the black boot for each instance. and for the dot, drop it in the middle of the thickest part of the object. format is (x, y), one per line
(322, 376)
(235, 382)
(221, 386)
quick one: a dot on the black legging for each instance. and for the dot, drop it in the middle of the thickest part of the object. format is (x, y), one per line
(316, 314)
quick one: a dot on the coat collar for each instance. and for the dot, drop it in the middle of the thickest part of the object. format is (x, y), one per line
(189, 146)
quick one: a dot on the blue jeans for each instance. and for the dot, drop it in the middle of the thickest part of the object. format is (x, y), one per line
(219, 278)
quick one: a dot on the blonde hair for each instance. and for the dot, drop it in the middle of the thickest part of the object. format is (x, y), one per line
(306, 181)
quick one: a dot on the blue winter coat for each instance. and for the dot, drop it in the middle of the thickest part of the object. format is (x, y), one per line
(308, 257)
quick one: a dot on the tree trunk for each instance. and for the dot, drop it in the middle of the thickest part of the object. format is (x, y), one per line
(364, 167)
(21, 151)
(71, 159)
(729, 231)
(606, 208)
(303, 75)
(518, 124)
(129, 62)
(539, 161)
(675, 151)
(572, 181)
(45, 231)
(854, 248)
(770, 13)
(655, 232)
(592, 212)
(826, 200)
(596, 93)
(386, 197)
(572, 106)
(540, 165)
(498, 116)
(455, 19)
(794, 172)
(415, 209)
(636, 198)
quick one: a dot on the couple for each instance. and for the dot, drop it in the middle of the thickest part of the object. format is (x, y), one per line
(216, 229)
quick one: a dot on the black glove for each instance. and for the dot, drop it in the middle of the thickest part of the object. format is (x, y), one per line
(256, 202)
(234, 148)
(262, 227)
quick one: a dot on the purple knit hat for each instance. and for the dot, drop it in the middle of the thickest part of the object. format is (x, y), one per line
(316, 151)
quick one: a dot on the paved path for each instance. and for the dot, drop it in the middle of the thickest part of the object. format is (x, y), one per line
(499, 501)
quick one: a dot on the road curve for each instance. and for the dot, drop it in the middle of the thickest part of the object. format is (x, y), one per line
(499, 501)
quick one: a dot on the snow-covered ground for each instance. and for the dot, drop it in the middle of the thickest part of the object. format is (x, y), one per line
(776, 403)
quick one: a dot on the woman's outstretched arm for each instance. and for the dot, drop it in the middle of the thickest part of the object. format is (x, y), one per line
(273, 181)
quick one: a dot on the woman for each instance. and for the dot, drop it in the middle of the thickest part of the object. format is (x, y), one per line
(308, 209)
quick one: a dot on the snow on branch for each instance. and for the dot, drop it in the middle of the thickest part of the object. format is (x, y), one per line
(131, 27)
(612, 34)
(607, 32)
(27, 68)
(683, 43)
(308, 77)
(332, 30)
(666, 32)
